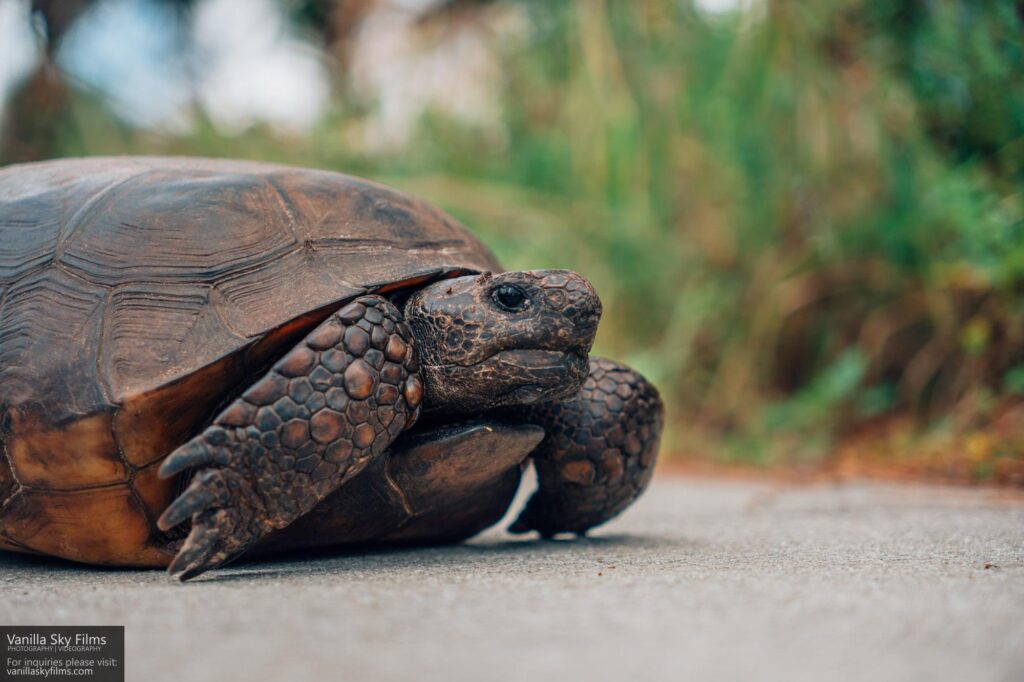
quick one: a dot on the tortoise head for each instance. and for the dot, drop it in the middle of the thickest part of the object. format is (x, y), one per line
(510, 339)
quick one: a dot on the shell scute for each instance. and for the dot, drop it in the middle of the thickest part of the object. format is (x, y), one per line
(152, 328)
(170, 225)
(36, 212)
(51, 523)
(81, 452)
(45, 311)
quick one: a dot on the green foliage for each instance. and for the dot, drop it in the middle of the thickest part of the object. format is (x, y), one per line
(1013, 380)
(798, 217)
(815, 405)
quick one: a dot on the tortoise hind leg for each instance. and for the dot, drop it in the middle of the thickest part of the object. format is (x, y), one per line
(599, 452)
(315, 420)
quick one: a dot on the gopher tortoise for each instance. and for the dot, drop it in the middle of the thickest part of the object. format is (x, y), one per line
(201, 359)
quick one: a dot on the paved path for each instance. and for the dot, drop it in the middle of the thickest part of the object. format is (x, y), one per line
(703, 580)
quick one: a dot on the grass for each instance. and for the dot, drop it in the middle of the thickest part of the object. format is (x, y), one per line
(802, 219)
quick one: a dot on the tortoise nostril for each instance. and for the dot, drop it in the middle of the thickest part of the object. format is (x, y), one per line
(556, 298)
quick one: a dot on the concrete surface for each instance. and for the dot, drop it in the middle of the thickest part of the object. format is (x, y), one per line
(702, 580)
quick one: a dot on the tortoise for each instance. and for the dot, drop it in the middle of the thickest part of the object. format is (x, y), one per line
(201, 359)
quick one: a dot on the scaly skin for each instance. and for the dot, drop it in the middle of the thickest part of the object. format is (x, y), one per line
(515, 342)
(314, 421)
(599, 452)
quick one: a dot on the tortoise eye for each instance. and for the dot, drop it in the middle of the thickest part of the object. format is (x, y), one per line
(510, 297)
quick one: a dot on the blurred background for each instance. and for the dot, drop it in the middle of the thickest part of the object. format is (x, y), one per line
(806, 219)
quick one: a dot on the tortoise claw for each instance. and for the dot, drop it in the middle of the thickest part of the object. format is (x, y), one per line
(217, 538)
(224, 522)
(193, 454)
(203, 451)
(199, 496)
(189, 561)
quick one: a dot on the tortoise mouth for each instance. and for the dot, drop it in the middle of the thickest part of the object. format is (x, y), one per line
(542, 374)
(515, 376)
(533, 357)
(537, 358)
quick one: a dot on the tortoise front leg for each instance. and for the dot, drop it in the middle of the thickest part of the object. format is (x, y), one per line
(599, 452)
(315, 420)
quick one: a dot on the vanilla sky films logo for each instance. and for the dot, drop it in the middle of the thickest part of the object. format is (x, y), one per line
(54, 653)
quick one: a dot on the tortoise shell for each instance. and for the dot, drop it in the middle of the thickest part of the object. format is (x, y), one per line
(138, 295)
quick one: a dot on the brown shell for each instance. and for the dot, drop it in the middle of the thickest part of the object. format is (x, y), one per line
(138, 294)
